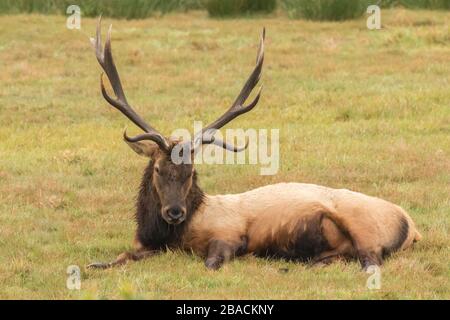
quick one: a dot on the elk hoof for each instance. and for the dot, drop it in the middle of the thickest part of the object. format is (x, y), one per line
(283, 270)
(213, 263)
(98, 265)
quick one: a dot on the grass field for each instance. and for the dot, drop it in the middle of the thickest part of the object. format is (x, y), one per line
(364, 110)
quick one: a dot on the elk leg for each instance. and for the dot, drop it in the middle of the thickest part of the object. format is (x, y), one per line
(220, 252)
(369, 258)
(326, 258)
(363, 247)
(344, 249)
(123, 258)
(324, 261)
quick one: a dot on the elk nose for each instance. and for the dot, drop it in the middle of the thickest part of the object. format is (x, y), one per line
(175, 213)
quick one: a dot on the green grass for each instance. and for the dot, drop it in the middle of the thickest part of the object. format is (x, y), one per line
(327, 10)
(129, 9)
(226, 8)
(414, 4)
(358, 109)
(429, 4)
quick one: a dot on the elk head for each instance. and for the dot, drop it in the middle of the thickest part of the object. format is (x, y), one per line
(172, 180)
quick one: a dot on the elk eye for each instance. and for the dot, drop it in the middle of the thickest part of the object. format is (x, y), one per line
(157, 170)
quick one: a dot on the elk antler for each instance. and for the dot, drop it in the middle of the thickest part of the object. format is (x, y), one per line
(106, 61)
(206, 136)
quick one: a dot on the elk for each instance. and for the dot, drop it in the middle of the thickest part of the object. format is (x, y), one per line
(294, 221)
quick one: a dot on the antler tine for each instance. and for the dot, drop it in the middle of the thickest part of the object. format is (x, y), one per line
(106, 61)
(160, 140)
(252, 81)
(238, 107)
(227, 146)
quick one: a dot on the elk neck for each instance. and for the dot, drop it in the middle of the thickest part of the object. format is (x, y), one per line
(153, 231)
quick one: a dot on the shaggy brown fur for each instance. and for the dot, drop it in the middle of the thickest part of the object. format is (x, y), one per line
(153, 232)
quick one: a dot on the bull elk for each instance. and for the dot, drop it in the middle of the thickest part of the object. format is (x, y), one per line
(295, 221)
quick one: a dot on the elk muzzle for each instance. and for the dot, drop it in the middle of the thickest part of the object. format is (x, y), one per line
(174, 214)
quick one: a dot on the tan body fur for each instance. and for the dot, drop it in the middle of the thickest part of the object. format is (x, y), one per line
(270, 215)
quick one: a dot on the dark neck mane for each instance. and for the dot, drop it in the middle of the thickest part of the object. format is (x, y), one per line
(153, 231)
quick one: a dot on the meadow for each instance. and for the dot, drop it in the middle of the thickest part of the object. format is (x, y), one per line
(358, 109)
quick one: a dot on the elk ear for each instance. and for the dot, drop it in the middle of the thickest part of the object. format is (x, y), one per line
(144, 148)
